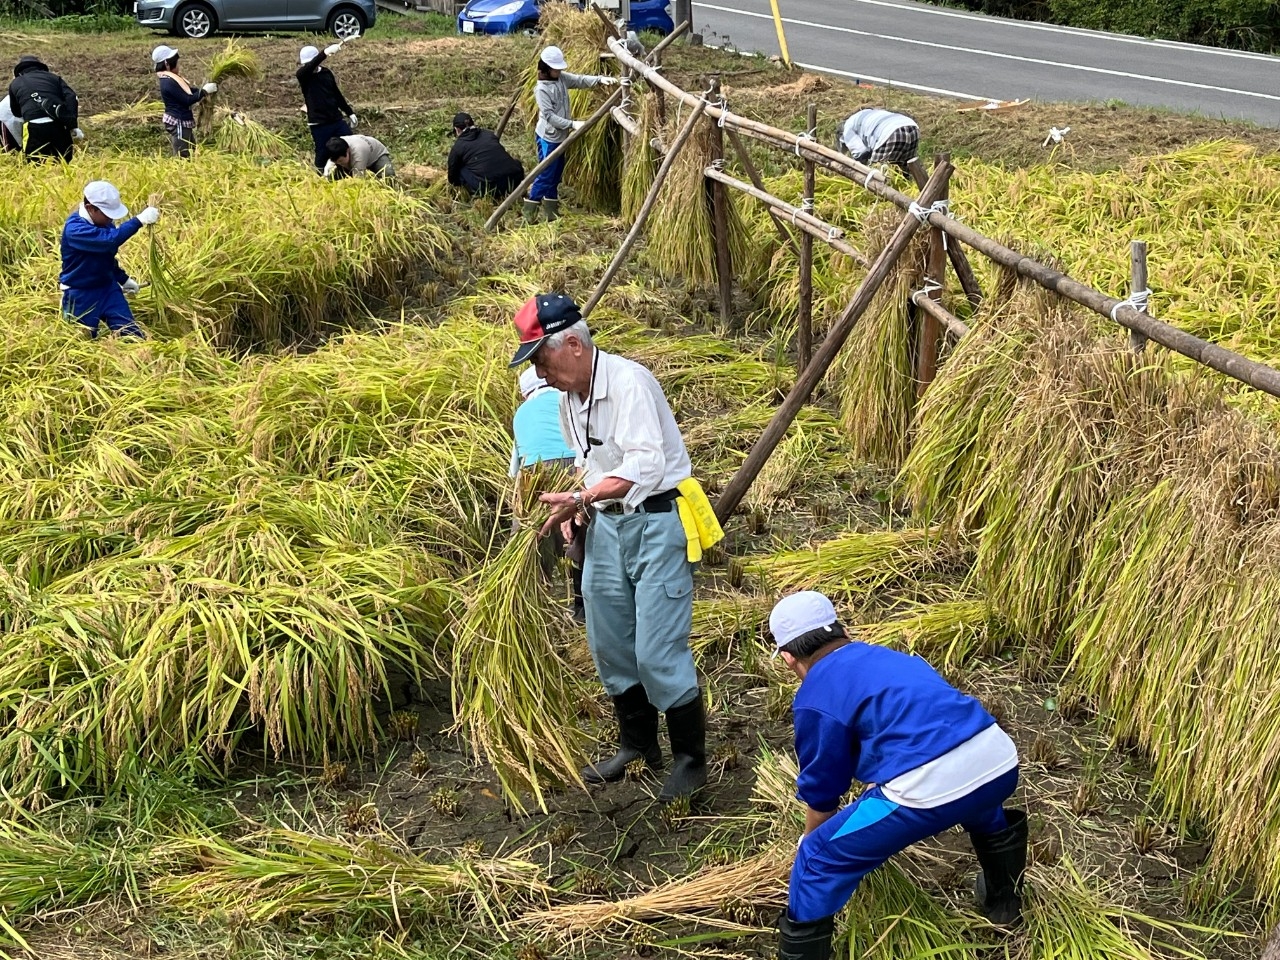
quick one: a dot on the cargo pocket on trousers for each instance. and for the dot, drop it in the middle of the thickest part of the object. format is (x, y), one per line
(678, 589)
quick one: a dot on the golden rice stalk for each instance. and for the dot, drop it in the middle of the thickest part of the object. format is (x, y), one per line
(232, 62)
(640, 164)
(145, 109)
(240, 133)
(760, 881)
(278, 873)
(861, 562)
(947, 634)
(515, 698)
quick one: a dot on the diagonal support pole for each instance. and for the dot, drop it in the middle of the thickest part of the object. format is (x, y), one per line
(826, 353)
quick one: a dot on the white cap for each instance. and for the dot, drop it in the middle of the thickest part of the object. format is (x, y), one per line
(530, 381)
(162, 53)
(553, 57)
(106, 198)
(798, 614)
(307, 54)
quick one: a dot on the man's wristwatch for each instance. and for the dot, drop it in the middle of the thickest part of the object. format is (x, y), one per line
(577, 499)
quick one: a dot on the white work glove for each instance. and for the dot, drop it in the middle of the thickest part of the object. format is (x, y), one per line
(606, 81)
(210, 87)
(131, 286)
(577, 124)
(330, 170)
(355, 121)
(148, 216)
(332, 48)
(78, 133)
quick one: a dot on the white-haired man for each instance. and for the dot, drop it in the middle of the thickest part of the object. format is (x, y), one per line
(637, 578)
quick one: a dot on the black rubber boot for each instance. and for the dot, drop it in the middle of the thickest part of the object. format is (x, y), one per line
(687, 728)
(637, 738)
(579, 606)
(805, 941)
(1003, 858)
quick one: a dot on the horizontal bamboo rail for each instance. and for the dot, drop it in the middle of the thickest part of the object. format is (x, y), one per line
(954, 325)
(1250, 372)
(793, 213)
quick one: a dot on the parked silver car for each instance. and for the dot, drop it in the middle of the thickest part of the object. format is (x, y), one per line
(203, 18)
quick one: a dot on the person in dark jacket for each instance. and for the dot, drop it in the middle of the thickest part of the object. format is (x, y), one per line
(93, 284)
(479, 161)
(179, 97)
(42, 100)
(327, 109)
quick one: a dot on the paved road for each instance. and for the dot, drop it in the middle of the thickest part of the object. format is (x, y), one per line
(967, 55)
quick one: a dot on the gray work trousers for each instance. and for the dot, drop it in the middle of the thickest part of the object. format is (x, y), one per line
(638, 585)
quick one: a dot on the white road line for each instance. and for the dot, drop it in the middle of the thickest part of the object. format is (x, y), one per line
(888, 82)
(1000, 56)
(1069, 31)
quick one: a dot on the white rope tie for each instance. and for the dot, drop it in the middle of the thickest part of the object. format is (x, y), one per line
(807, 204)
(833, 234)
(718, 163)
(807, 135)
(919, 212)
(1138, 300)
(930, 285)
(724, 111)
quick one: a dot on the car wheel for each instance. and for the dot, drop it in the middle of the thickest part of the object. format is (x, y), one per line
(195, 21)
(528, 29)
(346, 23)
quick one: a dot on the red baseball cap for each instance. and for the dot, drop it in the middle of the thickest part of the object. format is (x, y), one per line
(539, 318)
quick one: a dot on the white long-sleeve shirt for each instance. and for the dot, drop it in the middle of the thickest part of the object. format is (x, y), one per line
(11, 122)
(630, 416)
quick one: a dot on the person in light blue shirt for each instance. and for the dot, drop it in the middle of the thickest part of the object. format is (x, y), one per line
(539, 440)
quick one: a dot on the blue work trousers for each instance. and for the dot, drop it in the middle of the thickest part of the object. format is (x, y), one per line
(832, 860)
(320, 135)
(637, 583)
(546, 185)
(108, 305)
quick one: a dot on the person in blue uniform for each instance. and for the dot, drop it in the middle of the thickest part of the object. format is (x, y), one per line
(933, 758)
(93, 284)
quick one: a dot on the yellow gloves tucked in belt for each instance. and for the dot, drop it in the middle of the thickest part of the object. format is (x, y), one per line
(700, 524)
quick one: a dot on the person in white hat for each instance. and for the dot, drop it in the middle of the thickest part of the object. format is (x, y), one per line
(179, 97)
(327, 109)
(555, 123)
(93, 284)
(538, 440)
(935, 758)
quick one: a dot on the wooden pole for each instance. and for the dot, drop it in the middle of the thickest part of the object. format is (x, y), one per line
(1138, 287)
(823, 357)
(935, 274)
(955, 252)
(523, 185)
(953, 324)
(642, 216)
(501, 128)
(720, 220)
(753, 174)
(681, 28)
(792, 213)
(804, 320)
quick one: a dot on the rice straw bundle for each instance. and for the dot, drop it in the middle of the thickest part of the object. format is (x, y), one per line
(240, 133)
(232, 62)
(861, 562)
(640, 164)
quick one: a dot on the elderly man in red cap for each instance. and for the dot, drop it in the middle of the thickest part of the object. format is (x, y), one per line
(637, 577)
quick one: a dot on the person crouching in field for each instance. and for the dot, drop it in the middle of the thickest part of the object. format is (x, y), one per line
(178, 97)
(356, 155)
(878, 136)
(93, 284)
(479, 162)
(935, 758)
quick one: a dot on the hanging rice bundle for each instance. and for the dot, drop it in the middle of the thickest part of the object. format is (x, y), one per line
(641, 162)
(876, 370)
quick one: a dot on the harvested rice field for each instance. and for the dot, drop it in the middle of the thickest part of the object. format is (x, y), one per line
(277, 678)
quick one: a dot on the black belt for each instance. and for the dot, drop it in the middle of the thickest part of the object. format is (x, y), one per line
(658, 503)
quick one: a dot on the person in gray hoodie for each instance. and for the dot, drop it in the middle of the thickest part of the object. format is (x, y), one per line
(555, 123)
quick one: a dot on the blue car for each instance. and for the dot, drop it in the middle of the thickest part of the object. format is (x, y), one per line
(512, 16)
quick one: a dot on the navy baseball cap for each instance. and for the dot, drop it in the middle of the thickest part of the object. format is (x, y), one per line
(539, 318)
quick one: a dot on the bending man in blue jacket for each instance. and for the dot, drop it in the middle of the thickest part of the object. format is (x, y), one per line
(93, 285)
(931, 756)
